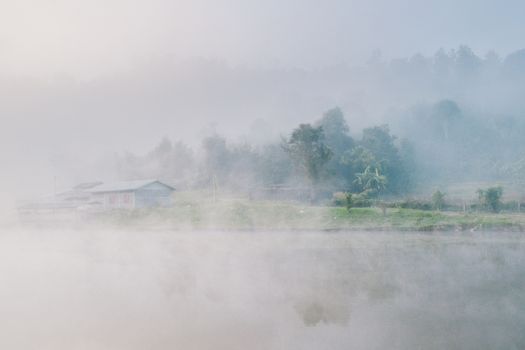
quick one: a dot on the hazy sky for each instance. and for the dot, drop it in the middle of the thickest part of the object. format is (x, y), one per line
(90, 38)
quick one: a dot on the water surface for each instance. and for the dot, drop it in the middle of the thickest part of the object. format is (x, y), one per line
(107, 289)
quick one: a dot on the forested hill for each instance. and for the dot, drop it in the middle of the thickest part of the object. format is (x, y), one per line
(437, 143)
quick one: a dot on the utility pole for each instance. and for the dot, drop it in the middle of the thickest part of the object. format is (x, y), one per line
(54, 194)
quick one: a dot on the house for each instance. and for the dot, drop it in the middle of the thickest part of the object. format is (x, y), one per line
(95, 196)
(132, 194)
(65, 201)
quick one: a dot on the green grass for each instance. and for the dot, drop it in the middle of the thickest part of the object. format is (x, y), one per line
(190, 212)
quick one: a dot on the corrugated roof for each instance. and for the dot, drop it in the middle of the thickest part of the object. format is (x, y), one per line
(87, 185)
(121, 186)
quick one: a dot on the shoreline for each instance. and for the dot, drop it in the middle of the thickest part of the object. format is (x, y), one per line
(252, 216)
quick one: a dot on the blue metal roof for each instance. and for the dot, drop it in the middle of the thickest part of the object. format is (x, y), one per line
(122, 186)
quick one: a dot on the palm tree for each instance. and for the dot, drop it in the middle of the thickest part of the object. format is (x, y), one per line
(371, 180)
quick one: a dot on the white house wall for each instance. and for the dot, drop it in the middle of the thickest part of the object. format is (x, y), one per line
(117, 200)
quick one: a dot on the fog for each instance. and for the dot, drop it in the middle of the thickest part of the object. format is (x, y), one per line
(286, 134)
(110, 289)
(189, 100)
(90, 39)
(77, 73)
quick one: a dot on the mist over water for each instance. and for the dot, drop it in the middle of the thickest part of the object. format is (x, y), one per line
(253, 131)
(112, 289)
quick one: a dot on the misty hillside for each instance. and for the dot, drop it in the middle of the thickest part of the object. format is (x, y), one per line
(476, 131)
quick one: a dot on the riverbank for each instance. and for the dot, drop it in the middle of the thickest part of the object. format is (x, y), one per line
(242, 214)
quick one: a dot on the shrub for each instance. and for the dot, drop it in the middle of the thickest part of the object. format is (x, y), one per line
(339, 199)
(491, 198)
(414, 204)
(357, 201)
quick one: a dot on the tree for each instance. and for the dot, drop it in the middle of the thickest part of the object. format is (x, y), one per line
(163, 149)
(381, 145)
(467, 63)
(371, 181)
(217, 159)
(308, 151)
(274, 167)
(444, 116)
(244, 160)
(443, 64)
(338, 139)
(359, 158)
(171, 162)
(336, 131)
(409, 168)
(438, 200)
(491, 198)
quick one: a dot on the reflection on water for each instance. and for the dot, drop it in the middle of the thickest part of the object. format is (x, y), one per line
(160, 290)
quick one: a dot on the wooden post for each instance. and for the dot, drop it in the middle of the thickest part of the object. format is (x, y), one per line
(383, 207)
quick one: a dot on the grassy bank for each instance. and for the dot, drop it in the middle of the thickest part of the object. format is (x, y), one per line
(243, 214)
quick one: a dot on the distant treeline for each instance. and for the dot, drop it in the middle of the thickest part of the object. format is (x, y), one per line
(321, 156)
(439, 142)
(456, 146)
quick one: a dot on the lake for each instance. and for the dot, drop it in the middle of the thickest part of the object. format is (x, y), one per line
(111, 289)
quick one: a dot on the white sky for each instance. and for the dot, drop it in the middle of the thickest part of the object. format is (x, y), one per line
(88, 38)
